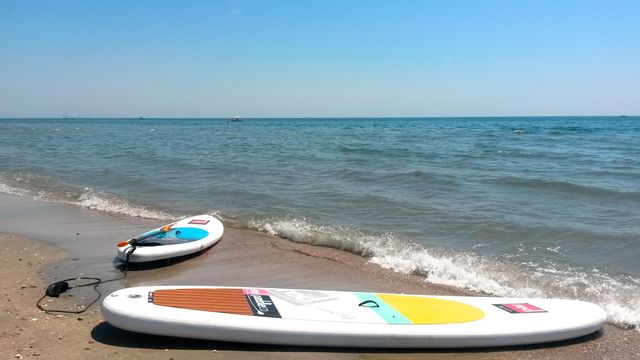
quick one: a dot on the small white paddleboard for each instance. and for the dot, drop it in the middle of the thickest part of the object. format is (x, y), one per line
(177, 239)
(347, 319)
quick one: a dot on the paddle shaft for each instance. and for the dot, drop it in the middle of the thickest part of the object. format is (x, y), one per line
(162, 230)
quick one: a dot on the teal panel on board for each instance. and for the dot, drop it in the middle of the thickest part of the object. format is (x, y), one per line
(386, 312)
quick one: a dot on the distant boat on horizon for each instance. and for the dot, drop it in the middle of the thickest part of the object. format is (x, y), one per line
(235, 119)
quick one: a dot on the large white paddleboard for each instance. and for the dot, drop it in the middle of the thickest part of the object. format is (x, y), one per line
(177, 239)
(348, 319)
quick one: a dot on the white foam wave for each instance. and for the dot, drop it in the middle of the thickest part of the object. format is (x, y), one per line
(102, 202)
(48, 189)
(6, 189)
(500, 277)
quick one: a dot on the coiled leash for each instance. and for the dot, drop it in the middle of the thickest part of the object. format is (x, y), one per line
(59, 287)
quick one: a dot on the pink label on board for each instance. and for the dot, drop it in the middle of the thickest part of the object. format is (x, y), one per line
(199, 222)
(255, 292)
(522, 308)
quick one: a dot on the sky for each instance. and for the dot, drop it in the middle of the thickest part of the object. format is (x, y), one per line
(330, 58)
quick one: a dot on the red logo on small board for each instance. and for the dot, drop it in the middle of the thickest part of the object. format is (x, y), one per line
(522, 308)
(199, 222)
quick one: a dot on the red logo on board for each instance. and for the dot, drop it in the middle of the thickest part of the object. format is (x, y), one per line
(522, 308)
(199, 222)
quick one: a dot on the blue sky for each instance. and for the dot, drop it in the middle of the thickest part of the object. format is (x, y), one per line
(319, 58)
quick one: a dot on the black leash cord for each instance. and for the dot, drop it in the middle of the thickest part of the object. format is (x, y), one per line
(63, 286)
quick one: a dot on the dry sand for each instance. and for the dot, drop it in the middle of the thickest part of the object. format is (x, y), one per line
(242, 258)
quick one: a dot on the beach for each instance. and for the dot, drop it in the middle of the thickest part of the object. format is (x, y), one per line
(43, 242)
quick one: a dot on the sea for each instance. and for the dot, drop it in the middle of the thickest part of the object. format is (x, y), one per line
(507, 206)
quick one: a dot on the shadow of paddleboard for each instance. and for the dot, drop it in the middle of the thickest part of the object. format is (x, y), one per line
(107, 334)
(157, 264)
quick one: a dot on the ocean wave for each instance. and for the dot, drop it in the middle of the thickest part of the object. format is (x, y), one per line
(620, 297)
(100, 201)
(559, 130)
(373, 151)
(6, 189)
(569, 188)
(49, 189)
(359, 150)
(420, 177)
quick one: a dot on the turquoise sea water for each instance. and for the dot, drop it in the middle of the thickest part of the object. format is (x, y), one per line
(508, 206)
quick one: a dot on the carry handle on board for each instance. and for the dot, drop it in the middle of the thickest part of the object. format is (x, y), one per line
(369, 304)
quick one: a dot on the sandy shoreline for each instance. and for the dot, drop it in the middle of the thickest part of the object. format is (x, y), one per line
(242, 258)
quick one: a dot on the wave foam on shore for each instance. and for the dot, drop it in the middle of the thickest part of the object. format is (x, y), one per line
(620, 297)
(48, 189)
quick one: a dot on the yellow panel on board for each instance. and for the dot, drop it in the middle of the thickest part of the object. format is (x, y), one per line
(424, 310)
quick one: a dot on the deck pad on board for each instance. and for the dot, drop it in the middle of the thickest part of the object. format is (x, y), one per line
(174, 236)
(303, 304)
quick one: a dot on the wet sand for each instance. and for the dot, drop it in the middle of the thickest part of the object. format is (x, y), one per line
(242, 258)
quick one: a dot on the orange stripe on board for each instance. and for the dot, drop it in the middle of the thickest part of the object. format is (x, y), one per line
(229, 301)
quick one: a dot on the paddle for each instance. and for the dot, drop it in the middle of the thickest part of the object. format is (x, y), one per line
(134, 240)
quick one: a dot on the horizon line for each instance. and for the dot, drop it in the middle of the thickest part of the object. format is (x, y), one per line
(298, 117)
